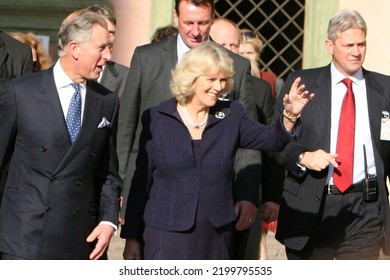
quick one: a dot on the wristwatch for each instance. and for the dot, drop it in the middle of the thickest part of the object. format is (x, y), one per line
(300, 157)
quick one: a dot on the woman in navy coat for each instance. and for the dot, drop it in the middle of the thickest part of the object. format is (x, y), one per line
(180, 204)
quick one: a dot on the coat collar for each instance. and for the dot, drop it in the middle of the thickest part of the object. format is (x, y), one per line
(217, 113)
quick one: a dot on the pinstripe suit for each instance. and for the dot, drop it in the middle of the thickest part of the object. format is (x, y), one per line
(15, 61)
(302, 207)
(15, 57)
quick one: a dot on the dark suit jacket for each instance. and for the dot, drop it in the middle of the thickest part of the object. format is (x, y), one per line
(265, 103)
(15, 58)
(272, 174)
(303, 192)
(56, 192)
(167, 184)
(114, 77)
(148, 85)
(15, 61)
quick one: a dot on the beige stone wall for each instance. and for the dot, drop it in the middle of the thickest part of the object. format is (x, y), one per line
(136, 22)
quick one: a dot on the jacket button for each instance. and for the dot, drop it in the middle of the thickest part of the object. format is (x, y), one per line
(318, 198)
(47, 209)
(79, 182)
(93, 154)
(43, 148)
(76, 213)
(52, 179)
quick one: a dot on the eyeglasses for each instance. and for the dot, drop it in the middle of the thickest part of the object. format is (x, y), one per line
(249, 34)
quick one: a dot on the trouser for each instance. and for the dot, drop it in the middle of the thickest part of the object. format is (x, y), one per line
(348, 228)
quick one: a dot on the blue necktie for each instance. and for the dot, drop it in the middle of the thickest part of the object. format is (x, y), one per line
(73, 118)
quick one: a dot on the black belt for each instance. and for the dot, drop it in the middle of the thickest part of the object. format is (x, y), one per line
(358, 187)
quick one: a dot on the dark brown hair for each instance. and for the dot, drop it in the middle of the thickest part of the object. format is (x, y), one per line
(209, 3)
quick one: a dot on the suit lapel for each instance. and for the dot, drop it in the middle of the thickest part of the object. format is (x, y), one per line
(3, 52)
(169, 56)
(51, 108)
(110, 76)
(323, 89)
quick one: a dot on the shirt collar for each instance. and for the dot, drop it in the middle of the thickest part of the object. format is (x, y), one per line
(337, 77)
(182, 48)
(61, 79)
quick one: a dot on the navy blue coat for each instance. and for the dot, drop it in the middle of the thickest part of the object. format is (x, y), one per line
(168, 182)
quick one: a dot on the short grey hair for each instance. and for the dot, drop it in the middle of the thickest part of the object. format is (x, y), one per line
(78, 27)
(344, 20)
(205, 59)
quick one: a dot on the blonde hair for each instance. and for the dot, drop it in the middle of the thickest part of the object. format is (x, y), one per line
(205, 59)
(250, 37)
(31, 40)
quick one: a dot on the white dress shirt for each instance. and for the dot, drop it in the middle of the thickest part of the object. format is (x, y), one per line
(65, 89)
(362, 124)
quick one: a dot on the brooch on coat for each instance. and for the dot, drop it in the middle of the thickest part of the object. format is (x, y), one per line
(220, 115)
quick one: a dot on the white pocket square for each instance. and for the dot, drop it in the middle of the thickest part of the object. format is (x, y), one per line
(104, 123)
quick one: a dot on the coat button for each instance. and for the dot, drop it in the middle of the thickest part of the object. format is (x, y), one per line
(79, 182)
(52, 179)
(76, 213)
(93, 154)
(43, 148)
(318, 198)
(47, 209)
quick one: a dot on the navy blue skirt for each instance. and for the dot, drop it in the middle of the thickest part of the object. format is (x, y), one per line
(202, 242)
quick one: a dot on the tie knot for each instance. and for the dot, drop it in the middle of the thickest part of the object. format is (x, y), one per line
(76, 86)
(348, 83)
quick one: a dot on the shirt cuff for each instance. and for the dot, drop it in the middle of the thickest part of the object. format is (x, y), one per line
(109, 224)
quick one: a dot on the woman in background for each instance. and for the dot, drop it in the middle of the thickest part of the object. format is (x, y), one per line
(251, 47)
(41, 59)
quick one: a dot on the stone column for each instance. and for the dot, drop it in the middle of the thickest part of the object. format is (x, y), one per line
(136, 22)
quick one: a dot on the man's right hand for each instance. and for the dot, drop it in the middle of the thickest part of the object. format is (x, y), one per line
(318, 160)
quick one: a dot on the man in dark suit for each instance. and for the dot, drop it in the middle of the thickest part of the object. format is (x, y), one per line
(61, 199)
(318, 218)
(15, 61)
(246, 243)
(114, 77)
(148, 85)
(15, 58)
(114, 74)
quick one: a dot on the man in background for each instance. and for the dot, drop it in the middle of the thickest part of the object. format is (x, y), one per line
(15, 58)
(246, 243)
(15, 61)
(114, 74)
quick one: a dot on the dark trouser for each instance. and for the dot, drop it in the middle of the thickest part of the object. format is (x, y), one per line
(348, 228)
(9, 257)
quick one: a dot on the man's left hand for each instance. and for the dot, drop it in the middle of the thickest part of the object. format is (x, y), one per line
(246, 212)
